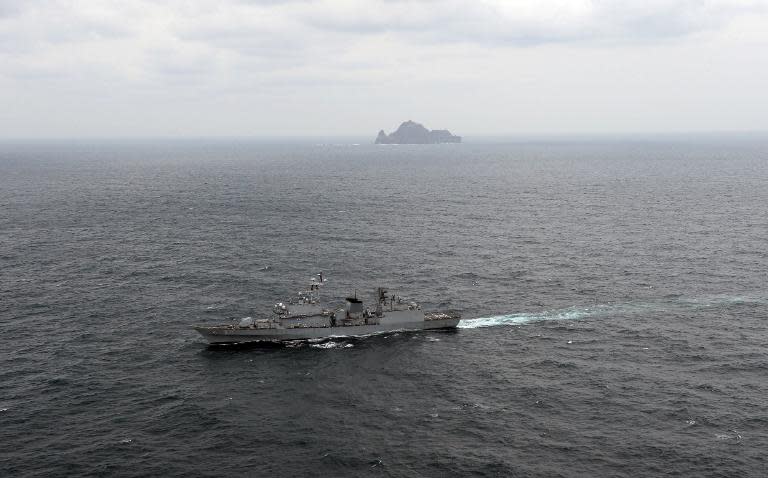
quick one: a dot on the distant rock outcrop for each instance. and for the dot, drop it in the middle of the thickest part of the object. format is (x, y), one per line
(415, 133)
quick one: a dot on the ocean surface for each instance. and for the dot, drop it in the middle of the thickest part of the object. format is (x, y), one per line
(614, 295)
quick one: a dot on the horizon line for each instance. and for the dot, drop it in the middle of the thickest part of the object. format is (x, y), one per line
(466, 138)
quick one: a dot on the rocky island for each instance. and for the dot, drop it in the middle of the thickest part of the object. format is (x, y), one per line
(415, 133)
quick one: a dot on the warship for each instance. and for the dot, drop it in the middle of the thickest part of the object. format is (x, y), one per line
(305, 318)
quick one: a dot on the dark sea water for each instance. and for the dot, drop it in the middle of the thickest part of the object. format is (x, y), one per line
(614, 293)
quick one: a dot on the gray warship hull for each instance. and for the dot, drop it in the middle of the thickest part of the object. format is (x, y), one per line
(306, 319)
(233, 334)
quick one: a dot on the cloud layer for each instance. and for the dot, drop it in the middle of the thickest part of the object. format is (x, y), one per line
(120, 53)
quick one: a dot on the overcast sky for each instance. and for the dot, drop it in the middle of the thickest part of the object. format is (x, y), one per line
(297, 68)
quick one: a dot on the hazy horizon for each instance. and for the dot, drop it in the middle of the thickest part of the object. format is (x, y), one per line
(305, 69)
(360, 139)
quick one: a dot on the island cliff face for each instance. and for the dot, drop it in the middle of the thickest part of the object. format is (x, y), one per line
(415, 133)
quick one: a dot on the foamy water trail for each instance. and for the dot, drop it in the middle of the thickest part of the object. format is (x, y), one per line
(721, 300)
(576, 313)
(571, 313)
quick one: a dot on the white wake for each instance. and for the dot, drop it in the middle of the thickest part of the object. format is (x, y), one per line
(576, 313)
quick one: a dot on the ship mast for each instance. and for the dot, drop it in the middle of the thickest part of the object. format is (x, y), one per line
(314, 288)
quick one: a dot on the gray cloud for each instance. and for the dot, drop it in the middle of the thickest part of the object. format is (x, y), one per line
(328, 60)
(516, 23)
(276, 29)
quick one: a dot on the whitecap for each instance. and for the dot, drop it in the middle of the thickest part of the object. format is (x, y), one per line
(731, 435)
(325, 345)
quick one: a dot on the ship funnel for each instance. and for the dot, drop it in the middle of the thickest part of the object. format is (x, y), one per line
(354, 307)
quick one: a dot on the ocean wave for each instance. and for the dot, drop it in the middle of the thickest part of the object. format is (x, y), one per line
(332, 345)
